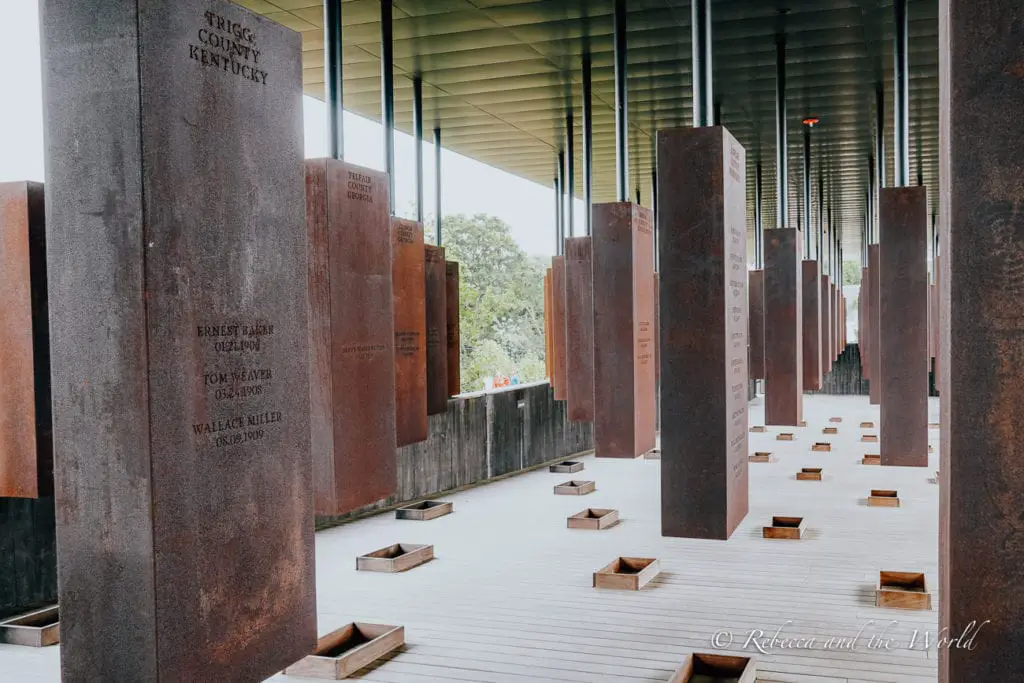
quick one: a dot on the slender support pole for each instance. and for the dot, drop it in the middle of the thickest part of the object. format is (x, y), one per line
(901, 90)
(807, 190)
(654, 209)
(703, 96)
(758, 220)
(438, 213)
(387, 80)
(621, 105)
(560, 201)
(588, 146)
(871, 203)
(333, 82)
(558, 211)
(570, 173)
(821, 213)
(781, 136)
(417, 127)
(879, 141)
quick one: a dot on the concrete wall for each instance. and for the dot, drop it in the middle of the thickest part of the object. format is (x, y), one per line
(483, 436)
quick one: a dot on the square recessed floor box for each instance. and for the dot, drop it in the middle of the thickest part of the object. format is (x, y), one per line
(567, 467)
(784, 436)
(822, 446)
(809, 474)
(759, 429)
(884, 498)
(869, 438)
(867, 425)
(830, 430)
(872, 459)
(341, 653)
(426, 510)
(627, 573)
(785, 527)
(37, 628)
(395, 558)
(593, 518)
(712, 668)
(760, 456)
(835, 419)
(902, 590)
(575, 488)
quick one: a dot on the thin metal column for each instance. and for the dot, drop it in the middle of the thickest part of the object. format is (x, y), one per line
(758, 220)
(437, 185)
(333, 82)
(821, 212)
(588, 146)
(558, 209)
(781, 136)
(807, 188)
(871, 203)
(621, 106)
(879, 141)
(387, 80)
(417, 134)
(560, 199)
(703, 95)
(901, 90)
(570, 174)
(654, 210)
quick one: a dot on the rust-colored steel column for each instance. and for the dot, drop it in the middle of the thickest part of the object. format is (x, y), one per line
(558, 324)
(981, 346)
(454, 332)
(755, 280)
(26, 442)
(815, 326)
(409, 286)
(624, 400)
(875, 388)
(824, 287)
(903, 323)
(863, 336)
(702, 246)
(435, 276)
(178, 297)
(783, 323)
(548, 332)
(352, 340)
(579, 320)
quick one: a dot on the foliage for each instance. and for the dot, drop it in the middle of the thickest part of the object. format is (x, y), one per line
(501, 297)
(851, 273)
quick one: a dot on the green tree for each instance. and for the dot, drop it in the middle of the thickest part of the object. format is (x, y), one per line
(851, 273)
(501, 297)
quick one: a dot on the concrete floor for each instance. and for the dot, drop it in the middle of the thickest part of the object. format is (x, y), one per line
(509, 596)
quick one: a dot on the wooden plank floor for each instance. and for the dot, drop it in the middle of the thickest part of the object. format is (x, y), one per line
(509, 597)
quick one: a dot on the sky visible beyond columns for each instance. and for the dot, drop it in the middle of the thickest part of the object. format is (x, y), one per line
(469, 186)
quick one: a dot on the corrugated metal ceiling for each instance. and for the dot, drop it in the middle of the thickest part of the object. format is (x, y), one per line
(498, 76)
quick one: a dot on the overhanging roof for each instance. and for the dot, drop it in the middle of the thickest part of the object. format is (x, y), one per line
(498, 76)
